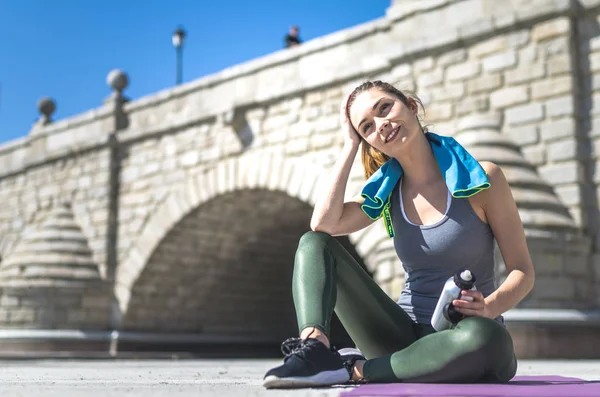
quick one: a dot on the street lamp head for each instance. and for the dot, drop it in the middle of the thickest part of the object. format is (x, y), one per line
(178, 37)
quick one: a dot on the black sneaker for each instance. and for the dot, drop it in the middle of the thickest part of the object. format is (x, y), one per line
(307, 363)
(350, 356)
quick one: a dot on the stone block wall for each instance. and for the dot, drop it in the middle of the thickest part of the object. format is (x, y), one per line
(588, 100)
(304, 128)
(518, 75)
(86, 306)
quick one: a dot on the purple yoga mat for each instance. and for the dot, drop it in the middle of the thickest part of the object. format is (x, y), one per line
(519, 386)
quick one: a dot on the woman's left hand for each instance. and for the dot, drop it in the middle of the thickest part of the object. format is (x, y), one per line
(471, 304)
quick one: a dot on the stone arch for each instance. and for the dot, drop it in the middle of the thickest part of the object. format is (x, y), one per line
(224, 269)
(298, 178)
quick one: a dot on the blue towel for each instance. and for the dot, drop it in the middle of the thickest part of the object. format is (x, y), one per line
(462, 173)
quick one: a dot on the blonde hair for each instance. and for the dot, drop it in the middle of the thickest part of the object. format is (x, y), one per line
(373, 159)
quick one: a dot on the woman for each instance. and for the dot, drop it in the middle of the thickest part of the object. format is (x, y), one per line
(435, 234)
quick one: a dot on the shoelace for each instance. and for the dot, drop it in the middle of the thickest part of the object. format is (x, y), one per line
(349, 366)
(293, 346)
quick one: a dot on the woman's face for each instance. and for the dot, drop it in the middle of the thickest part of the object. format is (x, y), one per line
(383, 120)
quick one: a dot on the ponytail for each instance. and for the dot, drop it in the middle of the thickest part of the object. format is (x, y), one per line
(372, 159)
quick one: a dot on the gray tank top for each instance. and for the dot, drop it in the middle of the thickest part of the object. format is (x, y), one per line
(433, 253)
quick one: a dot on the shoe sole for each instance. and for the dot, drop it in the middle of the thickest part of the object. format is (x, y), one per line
(325, 378)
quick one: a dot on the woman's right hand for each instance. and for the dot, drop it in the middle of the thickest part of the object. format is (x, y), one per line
(350, 134)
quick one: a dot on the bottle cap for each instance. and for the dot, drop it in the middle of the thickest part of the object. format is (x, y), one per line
(464, 279)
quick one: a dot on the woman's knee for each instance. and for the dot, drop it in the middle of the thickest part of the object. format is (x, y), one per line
(494, 341)
(478, 325)
(311, 240)
(319, 248)
(484, 331)
(312, 249)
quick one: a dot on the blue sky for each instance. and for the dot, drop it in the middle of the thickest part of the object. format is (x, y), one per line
(65, 48)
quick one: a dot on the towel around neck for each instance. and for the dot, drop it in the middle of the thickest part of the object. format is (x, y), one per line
(464, 177)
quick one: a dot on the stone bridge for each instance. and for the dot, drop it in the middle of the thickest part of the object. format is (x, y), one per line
(177, 215)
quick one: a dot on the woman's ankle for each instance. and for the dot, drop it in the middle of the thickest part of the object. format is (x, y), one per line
(315, 333)
(357, 370)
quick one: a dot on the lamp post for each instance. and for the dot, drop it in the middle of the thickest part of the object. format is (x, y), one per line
(178, 37)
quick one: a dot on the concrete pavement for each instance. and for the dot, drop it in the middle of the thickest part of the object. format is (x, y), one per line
(176, 378)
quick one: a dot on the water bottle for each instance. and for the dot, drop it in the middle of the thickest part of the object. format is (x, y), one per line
(445, 315)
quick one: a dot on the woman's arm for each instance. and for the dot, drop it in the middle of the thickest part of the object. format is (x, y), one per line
(503, 217)
(331, 215)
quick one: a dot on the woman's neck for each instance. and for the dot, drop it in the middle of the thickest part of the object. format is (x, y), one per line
(418, 163)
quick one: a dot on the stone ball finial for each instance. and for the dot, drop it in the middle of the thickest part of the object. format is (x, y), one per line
(117, 80)
(46, 106)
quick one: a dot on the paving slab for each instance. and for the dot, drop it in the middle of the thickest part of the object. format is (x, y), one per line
(177, 378)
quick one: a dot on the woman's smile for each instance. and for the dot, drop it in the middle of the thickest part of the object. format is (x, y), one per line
(392, 135)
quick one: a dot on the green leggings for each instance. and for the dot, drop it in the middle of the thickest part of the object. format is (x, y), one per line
(326, 277)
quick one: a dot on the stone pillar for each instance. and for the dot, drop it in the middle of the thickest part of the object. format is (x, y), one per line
(118, 81)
